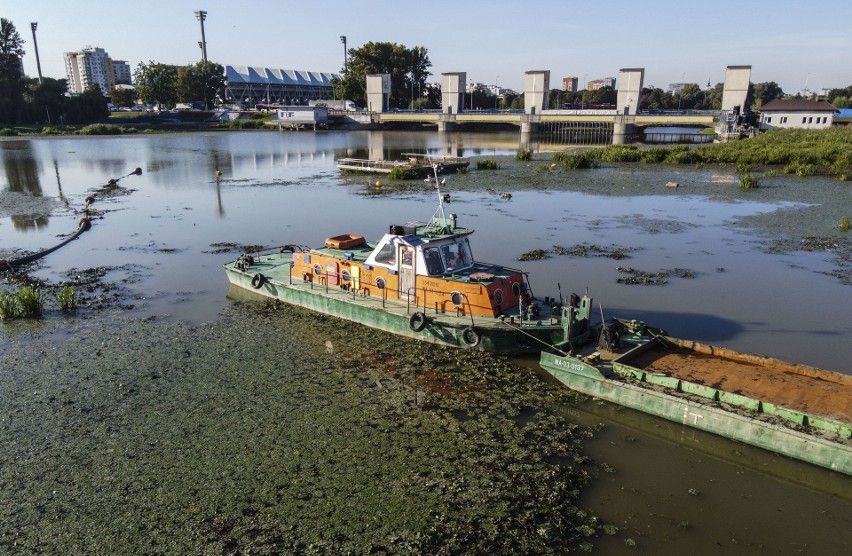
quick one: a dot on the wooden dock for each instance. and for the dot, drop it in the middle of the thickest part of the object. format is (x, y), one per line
(418, 164)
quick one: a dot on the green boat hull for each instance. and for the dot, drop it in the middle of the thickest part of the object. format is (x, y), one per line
(710, 417)
(480, 333)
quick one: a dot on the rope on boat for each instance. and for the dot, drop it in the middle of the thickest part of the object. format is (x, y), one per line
(519, 329)
(84, 225)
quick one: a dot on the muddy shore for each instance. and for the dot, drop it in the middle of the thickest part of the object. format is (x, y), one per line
(259, 434)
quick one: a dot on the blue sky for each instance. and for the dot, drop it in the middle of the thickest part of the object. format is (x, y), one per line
(796, 44)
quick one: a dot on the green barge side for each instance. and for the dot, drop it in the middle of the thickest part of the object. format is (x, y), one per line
(794, 410)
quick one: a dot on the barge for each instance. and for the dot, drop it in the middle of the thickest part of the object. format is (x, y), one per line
(794, 410)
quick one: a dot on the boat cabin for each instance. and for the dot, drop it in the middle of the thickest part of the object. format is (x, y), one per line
(429, 265)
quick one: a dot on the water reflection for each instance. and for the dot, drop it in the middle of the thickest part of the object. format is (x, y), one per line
(22, 176)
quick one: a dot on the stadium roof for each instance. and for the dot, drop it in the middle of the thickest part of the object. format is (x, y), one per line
(256, 75)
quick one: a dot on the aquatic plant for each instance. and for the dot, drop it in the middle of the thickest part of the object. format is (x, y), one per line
(8, 132)
(9, 308)
(461, 170)
(486, 164)
(66, 298)
(523, 156)
(400, 173)
(29, 300)
(621, 153)
(100, 129)
(577, 161)
(800, 169)
(749, 181)
(845, 223)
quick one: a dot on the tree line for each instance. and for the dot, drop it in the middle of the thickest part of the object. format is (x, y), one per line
(25, 100)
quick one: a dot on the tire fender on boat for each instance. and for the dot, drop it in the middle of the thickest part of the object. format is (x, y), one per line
(257, 280)
(471, 337)
(417, 321)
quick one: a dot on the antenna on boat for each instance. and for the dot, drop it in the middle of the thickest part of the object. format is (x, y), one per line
(439, 214)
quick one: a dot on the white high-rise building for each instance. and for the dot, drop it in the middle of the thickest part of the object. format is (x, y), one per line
(121, 72)
(90, 66)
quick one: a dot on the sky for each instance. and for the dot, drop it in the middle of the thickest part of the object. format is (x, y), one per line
(796, 44)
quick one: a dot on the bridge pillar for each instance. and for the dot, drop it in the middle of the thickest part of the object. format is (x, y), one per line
(378, 90)
(629, 88)
(624, 129)
(452, 92)
(536, 91)
(529, 122)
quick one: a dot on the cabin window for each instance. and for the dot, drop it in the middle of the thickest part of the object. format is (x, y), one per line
(783, 119)
(387, 254)
(456, 298)
(407, 257)
(434, 265)
(345, 276)
(769, 119)
(516, 289)
(456, 255)
(318, 269)
(380, 283)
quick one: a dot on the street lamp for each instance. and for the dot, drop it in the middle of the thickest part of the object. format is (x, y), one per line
(496, 91)
(201, 16)
(343, 40)
(471, 94)
(35, 45)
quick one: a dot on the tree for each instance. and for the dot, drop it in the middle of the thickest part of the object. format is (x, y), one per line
(47, 100)
(121, 96)
(12, 84)
(156, 83)
(201, 81)
(408, 69)
(90, 105)
(761, 93)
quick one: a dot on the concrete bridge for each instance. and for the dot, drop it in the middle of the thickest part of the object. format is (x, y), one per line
(624, 119)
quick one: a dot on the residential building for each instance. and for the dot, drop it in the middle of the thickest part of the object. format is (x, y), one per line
(121, 72)
(799, 113)
(90, 66)
(596, 84)
(569, 84)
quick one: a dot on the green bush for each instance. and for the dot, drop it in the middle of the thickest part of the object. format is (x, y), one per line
(51, 131)
(66, 298)
(29, 299)
(100, 129)
(9, 308)
(845, 223)
(486, 164)
(621, 153)
(400, 173)
(8, 132)
(577, 161)
(523, 156)
(461, 170)
(749, 181)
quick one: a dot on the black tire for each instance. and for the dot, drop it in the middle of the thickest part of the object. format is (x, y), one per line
(417, 321)
(257, 280)
(471, 337)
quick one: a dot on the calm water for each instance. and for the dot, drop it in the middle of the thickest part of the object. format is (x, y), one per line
(285, 188)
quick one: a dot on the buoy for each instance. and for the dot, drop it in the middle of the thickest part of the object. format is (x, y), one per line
(672, 184)
(378, 184)
(90, 199)
(553, 165)
(218, 173)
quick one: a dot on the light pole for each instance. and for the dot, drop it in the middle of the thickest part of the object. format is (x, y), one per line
(471, 94)
(202, 15)
(496, 91)
(343, 40)
(35, 45)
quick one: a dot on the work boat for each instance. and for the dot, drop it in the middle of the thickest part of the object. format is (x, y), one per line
(419, 280)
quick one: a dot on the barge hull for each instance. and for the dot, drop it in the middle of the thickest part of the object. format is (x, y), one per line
(588, 379)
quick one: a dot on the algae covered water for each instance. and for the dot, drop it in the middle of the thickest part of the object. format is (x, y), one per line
(191, 423)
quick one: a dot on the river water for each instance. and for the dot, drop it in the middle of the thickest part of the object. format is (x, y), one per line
(163, 236)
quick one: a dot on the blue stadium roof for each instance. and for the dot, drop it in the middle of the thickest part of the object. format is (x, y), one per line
(257, 75)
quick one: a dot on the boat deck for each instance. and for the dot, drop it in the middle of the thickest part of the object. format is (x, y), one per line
(796, 387)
